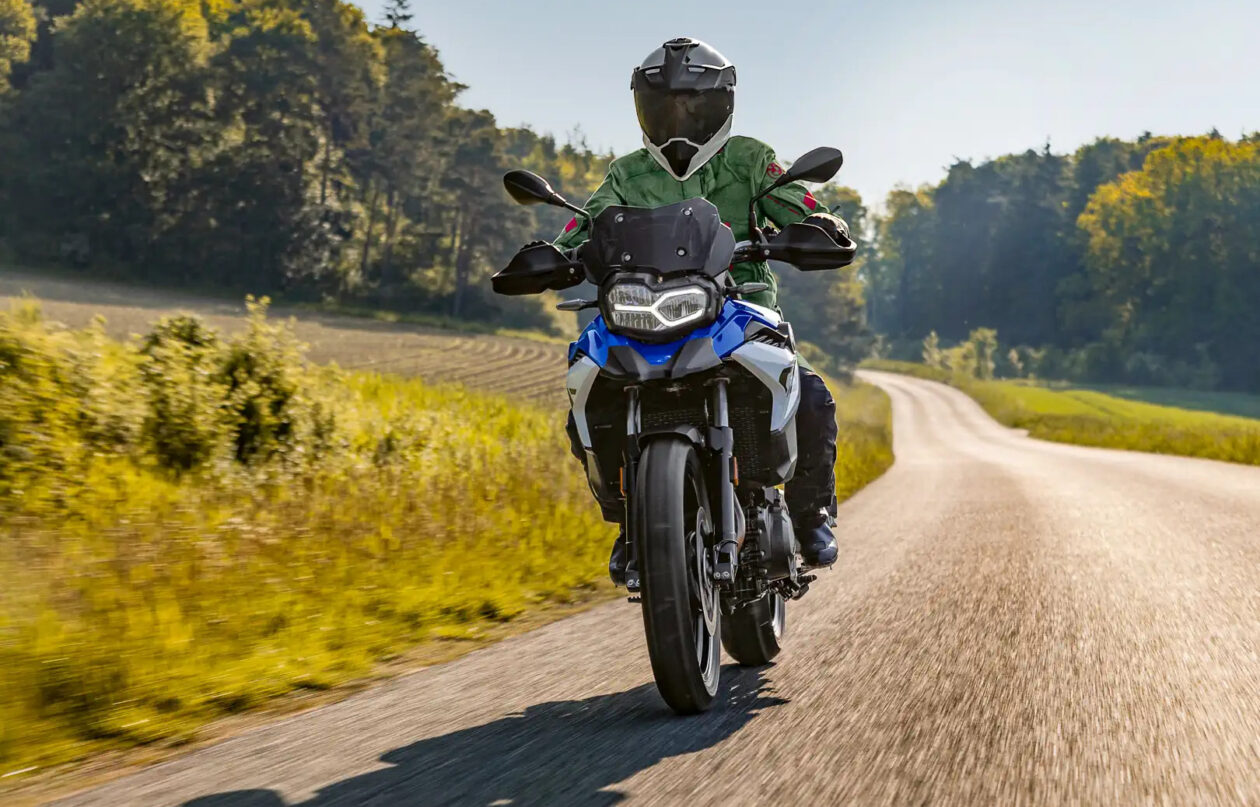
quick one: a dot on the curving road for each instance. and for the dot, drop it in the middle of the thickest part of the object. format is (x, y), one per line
(1011, 622)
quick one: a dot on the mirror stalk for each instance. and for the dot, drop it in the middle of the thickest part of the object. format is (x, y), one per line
(576, 305)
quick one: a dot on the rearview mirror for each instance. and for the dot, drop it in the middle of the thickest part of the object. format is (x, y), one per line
(818, 165)
(527, 188)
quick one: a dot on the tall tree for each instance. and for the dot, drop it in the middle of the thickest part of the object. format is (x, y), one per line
(1172, 251)
(121, 121)
(398, 14)
(17, 31)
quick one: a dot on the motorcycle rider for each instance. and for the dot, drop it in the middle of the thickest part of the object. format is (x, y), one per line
(684, 92)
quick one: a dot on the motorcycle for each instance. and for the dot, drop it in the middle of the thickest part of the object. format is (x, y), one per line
(684, 401)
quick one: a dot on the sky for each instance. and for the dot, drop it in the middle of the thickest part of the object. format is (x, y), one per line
(904, 87)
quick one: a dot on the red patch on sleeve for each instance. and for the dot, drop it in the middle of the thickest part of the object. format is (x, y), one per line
(774, 170)
(571, 225)
(810, 201)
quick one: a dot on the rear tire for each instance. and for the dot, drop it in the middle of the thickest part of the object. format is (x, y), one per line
(752, 635)
(681, 613)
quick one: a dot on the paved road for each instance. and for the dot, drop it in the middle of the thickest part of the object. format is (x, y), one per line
(1011, 622)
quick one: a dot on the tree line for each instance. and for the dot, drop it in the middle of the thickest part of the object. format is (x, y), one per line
(1130, 261)
(292, 147)
(288, 147)
(273, 145)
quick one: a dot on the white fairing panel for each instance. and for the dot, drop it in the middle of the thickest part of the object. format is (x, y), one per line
(769, 363)
(581, 379)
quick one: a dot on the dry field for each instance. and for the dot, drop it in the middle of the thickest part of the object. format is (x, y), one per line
(513, 366)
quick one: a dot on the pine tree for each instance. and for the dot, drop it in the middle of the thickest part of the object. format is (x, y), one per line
(398, 13)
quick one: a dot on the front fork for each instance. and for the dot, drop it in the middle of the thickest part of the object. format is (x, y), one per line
(722, 441)
(628, 481)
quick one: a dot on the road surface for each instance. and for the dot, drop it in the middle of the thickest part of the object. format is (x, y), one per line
(1011, 622)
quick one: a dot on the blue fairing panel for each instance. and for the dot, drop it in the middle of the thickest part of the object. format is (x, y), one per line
(727, 333)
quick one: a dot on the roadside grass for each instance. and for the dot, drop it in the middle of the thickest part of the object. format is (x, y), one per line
(864, 446)
(1224, 403)
(141, 601)
(1089, 417)
(144, 599)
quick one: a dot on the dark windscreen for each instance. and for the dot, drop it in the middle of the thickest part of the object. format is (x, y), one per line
(683, 237)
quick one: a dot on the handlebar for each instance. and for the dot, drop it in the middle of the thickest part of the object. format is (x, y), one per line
(805, 246)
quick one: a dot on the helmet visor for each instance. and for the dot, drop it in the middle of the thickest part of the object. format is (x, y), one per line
(694, 115)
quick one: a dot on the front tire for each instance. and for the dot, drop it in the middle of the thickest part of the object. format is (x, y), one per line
(681, 614)
(753, 635)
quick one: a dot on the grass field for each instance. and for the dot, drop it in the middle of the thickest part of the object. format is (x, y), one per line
(143, 600)
(517, 366)
(1224, 403)
(1090, 417)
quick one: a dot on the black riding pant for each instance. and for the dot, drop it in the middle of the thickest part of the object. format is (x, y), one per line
(812, 488)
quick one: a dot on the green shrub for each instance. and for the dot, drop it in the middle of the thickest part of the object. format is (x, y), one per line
(263, 400)
(48, 420)
(184, 426)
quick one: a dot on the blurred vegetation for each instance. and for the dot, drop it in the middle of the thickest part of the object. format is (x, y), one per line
(192, 524)
(1123, 262)
(864, 445)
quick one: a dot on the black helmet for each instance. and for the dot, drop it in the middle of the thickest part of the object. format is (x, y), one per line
(685, 96)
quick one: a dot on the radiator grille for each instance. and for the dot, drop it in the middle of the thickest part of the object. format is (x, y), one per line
(748, 425)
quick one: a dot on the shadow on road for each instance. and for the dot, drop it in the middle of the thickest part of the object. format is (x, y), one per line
(564, 752)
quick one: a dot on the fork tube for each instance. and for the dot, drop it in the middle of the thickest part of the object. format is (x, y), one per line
(724, 441)
(631, 471)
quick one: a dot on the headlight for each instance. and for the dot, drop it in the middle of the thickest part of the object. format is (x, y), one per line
(633, 306)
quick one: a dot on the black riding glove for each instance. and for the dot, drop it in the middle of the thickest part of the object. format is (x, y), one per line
(833, 226)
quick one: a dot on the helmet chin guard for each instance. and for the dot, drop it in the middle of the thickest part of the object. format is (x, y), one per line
(682, 158)
(684, 94)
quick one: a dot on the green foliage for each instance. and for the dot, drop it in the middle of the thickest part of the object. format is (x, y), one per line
(266, 145)
(933, 356)
(985, 347)
(320, 521)
(828, 309)
(1124, 261)
(1171, 252)
(17, 30)
(262, 382)
(183, 426)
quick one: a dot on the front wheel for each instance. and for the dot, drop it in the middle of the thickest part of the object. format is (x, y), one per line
(752, 634)
(680, 601)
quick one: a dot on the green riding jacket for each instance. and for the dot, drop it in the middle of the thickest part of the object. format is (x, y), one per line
(737, 173)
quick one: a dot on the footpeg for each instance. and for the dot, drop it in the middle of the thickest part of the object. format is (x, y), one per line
(795, 589)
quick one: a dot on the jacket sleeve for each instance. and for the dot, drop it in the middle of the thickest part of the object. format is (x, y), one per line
(608, 193)
(783, 206)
